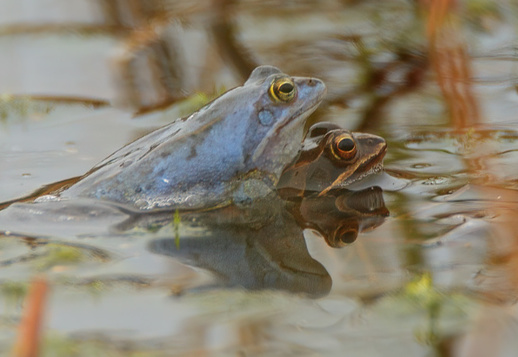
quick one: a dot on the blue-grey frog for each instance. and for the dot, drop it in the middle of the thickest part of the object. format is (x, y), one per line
(233, 148)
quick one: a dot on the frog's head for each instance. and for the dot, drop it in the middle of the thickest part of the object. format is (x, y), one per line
(275, 107)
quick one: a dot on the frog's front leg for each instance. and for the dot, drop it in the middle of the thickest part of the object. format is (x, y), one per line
(256, 186)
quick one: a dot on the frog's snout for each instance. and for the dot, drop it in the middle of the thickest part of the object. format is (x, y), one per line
(317, 85)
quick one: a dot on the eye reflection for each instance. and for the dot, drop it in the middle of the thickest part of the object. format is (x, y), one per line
(344, 235)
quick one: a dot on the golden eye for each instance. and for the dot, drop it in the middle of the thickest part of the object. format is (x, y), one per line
(344, 147)
(282, 90)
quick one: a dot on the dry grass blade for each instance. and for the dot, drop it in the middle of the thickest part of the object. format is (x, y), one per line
(29, 333)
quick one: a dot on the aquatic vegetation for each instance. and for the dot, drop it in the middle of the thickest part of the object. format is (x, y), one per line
(59, 255)
(56, 345)
(13, 292)
(19, 108)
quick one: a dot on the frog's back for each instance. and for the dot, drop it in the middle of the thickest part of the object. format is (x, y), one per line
(164, 168)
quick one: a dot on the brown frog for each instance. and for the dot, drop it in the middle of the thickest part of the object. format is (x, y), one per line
(331, 157)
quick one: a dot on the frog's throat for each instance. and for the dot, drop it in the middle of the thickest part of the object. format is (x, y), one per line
(296, 118)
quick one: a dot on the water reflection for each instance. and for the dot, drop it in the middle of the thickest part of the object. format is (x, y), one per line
(256, 246)
(262, 246)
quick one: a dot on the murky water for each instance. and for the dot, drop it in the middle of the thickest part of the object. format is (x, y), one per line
(419, 260)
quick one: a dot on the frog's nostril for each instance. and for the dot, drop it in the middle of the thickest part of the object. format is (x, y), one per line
(314, 82)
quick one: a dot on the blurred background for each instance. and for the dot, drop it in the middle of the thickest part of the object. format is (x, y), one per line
(436, 78)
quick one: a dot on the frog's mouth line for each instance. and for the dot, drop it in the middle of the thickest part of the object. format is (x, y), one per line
(374, 162)
(374, 169)
(302, 113)
(372, 165)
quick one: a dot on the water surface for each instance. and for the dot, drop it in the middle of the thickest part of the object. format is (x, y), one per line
(432, 271)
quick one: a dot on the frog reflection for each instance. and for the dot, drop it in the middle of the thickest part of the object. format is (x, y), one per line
(271, 253)
(341, 215)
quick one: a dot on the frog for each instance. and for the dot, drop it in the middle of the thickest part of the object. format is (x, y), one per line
(233, 148)
(331, 157)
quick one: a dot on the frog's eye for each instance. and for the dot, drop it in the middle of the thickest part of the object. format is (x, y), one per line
(282, 90)
(344, 147)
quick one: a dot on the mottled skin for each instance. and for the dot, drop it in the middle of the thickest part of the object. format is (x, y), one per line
(241, 140)
(320, 167)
